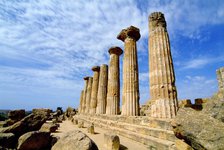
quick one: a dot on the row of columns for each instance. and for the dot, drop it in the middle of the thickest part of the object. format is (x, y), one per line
(101, 93)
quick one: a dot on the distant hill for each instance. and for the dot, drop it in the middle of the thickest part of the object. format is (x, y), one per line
(4, 111)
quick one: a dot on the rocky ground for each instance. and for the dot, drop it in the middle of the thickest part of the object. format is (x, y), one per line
(202, 130)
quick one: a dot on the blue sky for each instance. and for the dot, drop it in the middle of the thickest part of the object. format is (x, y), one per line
(47, 47)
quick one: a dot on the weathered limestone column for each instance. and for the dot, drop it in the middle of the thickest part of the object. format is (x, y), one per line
(88, 94)
(161, 76)
(130, 93)
(84, 95)
(93, 102)
(81, 101)
(220, 78)
(113, 94)
(102, 90)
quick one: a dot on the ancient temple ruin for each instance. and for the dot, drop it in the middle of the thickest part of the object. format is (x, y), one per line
(100, 98)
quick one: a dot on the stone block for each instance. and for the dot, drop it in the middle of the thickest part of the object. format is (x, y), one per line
(75, 140)
(34, 140)
(111, 141)
(181, 145)
(90, 129)
(80, 124)
(16, 114)
(49, 127)
(198, 101)
(7, 140)
(75, 121)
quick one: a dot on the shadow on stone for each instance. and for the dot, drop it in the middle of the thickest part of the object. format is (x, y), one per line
(122, 147)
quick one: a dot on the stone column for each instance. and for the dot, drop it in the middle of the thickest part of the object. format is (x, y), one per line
(130, 93)
(102, 90)
(81, 102)
(113, 94)
(93, 102)
(161, 76)
(220, 78)
(84, 94)
(88, 94)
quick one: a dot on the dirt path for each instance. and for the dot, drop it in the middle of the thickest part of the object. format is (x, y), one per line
(98, 138)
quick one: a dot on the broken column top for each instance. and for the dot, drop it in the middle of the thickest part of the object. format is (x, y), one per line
(156, 19)
(96, 68)
(220, 70)
(131, 31)
(86, 78)
(115, 50)
(220, 77)
(104, 65)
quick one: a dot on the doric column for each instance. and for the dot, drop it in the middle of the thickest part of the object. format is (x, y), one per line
(220, 78)
(84, 95)
(130, 93)
(93, 102)
(81, 102)
(113, 94)
(162, 78)
(102, 90)
(88, 94)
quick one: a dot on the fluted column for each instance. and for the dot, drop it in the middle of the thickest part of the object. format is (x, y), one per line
(81, 102)
(88, 94)
(113, 94)
(162, 78)
(220, 78)
(84, 95)
(93, 102)
(130, 92)
(102, 90)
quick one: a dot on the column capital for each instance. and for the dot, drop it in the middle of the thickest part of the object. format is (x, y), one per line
(156, 19)
(131, 32)
(115, 50)
(96, 68)
(86, 78)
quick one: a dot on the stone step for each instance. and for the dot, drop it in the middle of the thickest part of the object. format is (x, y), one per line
(138, 120)
(152, 142)
(145, 130)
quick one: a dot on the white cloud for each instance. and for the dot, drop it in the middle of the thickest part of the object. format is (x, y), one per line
(56, 43)
(201, 61)
(188, 17)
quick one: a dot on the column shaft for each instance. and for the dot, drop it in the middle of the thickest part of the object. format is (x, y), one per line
(102, 90)
(220, 78)
(162, 78)
(130, 92)
(84, 95)
(113, 94)
(88, 94)
(81, 102)
(93, 103)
